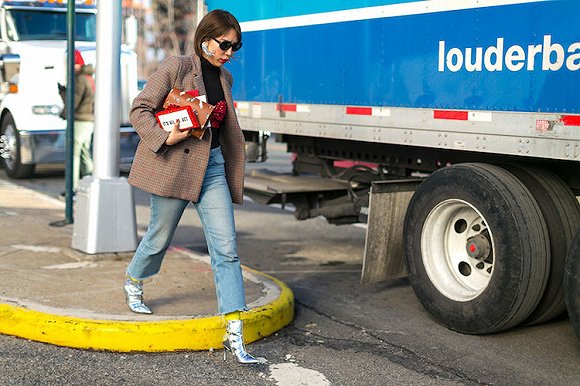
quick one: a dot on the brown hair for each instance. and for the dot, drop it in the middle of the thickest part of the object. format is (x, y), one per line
(215, 24)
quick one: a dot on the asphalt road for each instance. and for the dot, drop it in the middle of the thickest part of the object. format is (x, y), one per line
(343, 333)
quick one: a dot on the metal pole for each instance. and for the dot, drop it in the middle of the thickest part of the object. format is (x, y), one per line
(105, 220)
(108, 90)
(70, 111)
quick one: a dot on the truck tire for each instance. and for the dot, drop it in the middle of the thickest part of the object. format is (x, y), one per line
(10, 146)
(476, 248)
(572, 284)
(562, 214)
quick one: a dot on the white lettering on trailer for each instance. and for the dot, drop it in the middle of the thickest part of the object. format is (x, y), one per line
(548, 56)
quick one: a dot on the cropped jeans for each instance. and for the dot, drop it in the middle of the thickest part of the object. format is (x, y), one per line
(216, 213)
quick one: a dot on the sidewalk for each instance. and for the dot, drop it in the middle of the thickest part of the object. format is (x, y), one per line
(54, 294)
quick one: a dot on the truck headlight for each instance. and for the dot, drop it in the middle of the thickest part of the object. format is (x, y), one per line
(50, 109)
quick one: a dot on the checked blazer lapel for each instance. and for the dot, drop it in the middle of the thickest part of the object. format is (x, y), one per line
(227, 88)
(197, 75)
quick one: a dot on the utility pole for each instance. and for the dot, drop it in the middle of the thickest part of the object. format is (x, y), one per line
(70, 112)
(105, 216)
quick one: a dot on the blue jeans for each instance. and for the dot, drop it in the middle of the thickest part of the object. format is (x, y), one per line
(216, 212)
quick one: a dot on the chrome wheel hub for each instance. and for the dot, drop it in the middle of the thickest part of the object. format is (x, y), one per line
(457, 250)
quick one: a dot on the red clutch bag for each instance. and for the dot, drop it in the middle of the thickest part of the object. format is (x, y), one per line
(185, 115)
(177, 99)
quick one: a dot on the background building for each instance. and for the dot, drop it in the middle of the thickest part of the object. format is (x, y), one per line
(158, 28)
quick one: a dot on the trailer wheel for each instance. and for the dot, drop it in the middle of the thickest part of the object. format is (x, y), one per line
(10, 150)
(572, 284)
(561, 211)
(476, 248)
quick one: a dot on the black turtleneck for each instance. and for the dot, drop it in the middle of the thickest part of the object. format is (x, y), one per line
(215, 93)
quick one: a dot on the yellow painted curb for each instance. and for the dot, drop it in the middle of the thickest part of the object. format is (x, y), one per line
(159, 336)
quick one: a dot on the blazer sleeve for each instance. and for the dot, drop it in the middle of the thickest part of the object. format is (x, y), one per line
(150, 101)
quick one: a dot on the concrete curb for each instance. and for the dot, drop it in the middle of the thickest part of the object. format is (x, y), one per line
(90, 330)
(199, 333)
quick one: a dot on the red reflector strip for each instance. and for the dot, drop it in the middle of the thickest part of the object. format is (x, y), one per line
(235, 105)
(571, 120)
(348, 164)
(450, 114)
(359, 110)
(285, 107)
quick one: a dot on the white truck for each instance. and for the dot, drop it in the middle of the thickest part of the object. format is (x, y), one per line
(33, 51)
(451, 127)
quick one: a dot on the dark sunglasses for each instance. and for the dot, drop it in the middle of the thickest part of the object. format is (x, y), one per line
(226, 44)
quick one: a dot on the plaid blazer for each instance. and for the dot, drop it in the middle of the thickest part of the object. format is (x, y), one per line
(177, 171)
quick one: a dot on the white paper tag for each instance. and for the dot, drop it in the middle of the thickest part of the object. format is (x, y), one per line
(168, 120)
(202, 98)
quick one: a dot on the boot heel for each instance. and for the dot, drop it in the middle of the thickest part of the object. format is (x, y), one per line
(226, 349)
(234, 343)
(134, 294)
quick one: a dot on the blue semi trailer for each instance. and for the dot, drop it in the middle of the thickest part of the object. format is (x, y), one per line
(452, 128)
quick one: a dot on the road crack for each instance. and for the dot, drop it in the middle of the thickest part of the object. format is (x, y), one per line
(393, 352)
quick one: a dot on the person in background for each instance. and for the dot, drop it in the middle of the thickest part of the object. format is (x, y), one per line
(177, 168)
(84, 107)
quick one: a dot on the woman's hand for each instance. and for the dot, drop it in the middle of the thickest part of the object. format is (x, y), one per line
(176, 135)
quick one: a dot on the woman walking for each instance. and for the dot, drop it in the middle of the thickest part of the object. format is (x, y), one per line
(176, 168)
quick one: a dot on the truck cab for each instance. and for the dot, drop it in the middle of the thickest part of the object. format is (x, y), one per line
(33, 52)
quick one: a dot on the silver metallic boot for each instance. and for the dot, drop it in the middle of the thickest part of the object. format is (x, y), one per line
(234, 343)
(134, 292)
